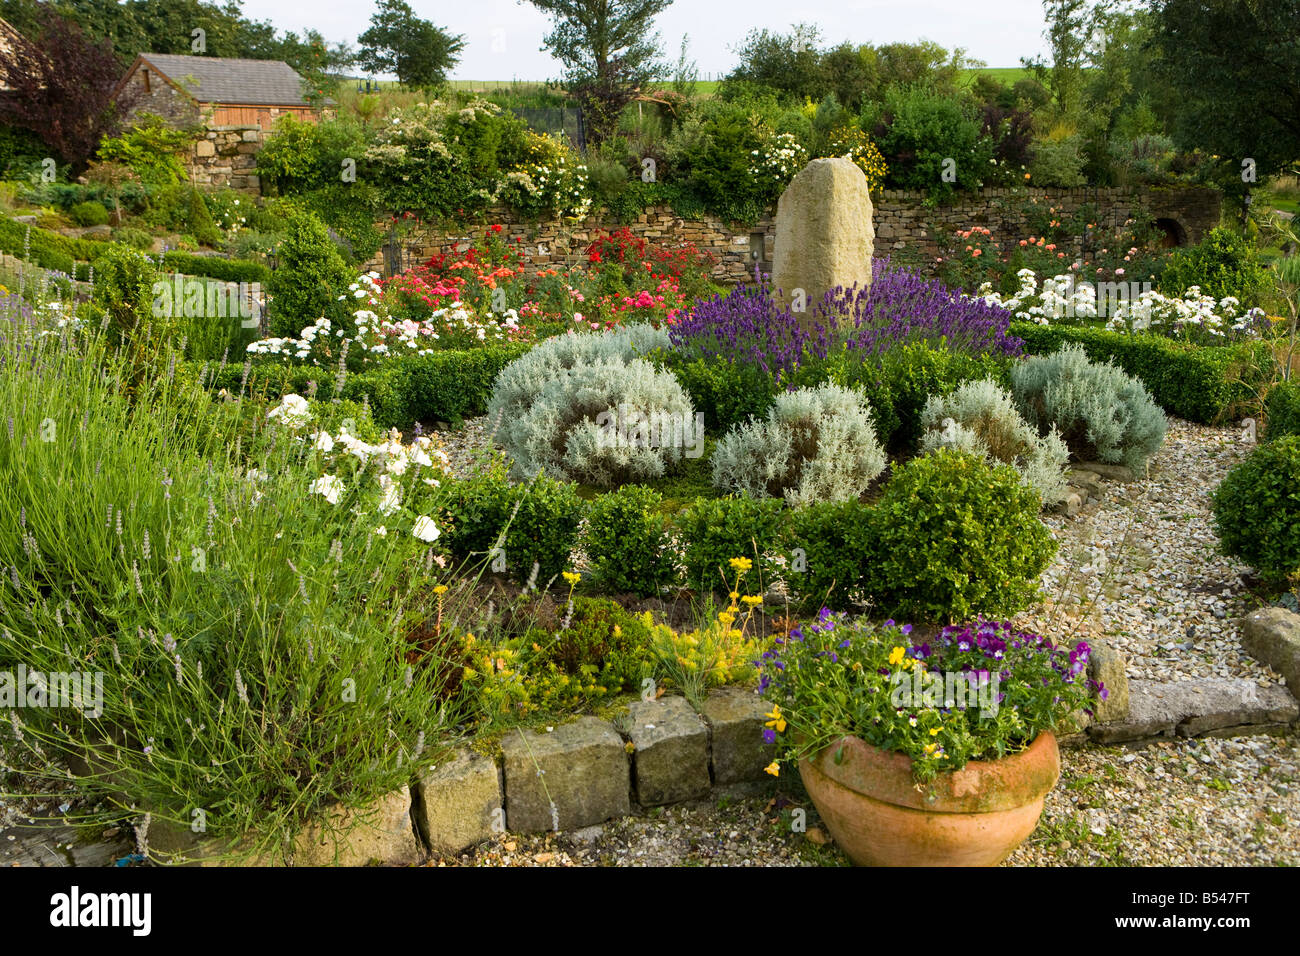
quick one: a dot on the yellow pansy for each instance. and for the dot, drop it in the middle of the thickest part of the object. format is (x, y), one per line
(776, 721)
(896, 655)
(934, 731)
(773, 768)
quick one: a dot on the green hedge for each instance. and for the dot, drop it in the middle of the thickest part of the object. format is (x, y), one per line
(1282, 411)
(442, 386)
(47, 249)
(1203, 384)
(211, 267)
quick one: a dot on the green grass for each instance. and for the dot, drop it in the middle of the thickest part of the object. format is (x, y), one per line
(1003, 74)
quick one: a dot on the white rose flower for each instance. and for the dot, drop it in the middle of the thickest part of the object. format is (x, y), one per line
(329, 487)
(324, 442)
(292, 411)
(425, 529)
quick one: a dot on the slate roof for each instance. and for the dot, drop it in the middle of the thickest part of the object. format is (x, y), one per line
(211, 79)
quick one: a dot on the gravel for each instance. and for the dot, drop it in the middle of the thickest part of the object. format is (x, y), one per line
(1141, 569)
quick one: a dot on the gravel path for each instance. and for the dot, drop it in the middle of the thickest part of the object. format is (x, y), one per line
(1145, 563)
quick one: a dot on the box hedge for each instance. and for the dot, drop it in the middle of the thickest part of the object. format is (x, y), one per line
(442, 386)
(1205, 384)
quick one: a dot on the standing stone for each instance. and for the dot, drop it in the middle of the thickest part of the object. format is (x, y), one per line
(381, 832)
(824, 234)
(1272, 636)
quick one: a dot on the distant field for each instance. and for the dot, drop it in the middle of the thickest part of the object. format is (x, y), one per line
(1003, 74)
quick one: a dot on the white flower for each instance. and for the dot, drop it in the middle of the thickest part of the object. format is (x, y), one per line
(381, 532)
(293, 411)
(390, 496)
(329, 487)
(425, 529)
(324, 442)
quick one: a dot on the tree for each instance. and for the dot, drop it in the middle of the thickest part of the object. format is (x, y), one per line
(63, 87)
(1236, 66)
(790, 64)
(319, 62)
(608, 50)
(400, 42)
(1071, 25)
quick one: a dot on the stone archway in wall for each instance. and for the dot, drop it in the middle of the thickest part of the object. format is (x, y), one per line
(1173, 234)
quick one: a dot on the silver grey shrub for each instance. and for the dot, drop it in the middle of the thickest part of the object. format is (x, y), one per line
(605, 423)
(520, 386)
(816, 444)
(522, 380)
(1099, 411)
(981, 418)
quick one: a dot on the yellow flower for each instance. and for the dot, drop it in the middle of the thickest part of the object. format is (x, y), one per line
(440, 589)
(934, 731)
(896, 655)
(773, 768)
(618, 631)
(753, 600)
(733, 595)
(572, 578)
(741, 564)
(726, 617)
(776, 721)
(930, 749)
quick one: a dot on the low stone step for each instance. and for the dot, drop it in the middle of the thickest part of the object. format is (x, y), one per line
(1192, 708)
(670, 751)
(460, 802)
(1272, 636)
(569, 778)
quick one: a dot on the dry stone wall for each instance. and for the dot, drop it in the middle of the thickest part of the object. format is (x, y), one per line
(901, 219)
(227, 156)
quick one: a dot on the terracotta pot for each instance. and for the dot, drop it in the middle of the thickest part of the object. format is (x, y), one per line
(975, 816)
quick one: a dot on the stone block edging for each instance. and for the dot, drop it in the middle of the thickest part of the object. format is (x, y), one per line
(666, 751)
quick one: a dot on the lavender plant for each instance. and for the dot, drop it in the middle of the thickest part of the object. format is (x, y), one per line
(747, 327)
(236, 612)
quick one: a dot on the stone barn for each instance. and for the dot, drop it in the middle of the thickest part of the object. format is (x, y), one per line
(217, 91)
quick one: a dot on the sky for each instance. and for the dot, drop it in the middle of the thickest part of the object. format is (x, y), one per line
(503, 37)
